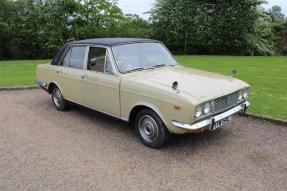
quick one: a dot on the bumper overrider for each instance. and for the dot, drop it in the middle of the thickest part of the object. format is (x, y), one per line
(42, 85)
(209, 122)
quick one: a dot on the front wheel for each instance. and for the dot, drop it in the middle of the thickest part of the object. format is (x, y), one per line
(58, 99)
(151, 129)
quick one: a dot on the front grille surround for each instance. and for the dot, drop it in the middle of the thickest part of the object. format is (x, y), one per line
(225, 102)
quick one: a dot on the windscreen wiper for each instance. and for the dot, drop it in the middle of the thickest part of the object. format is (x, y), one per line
(139, 69)
(158, 66)
(162, 65)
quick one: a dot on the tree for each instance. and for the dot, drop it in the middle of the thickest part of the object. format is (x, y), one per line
(280, 31)
(39, 27)
(31, 29)
(261, 42)
(208, 27)
(6, 12)
(96, 18)
(276, 13)
(133, 26)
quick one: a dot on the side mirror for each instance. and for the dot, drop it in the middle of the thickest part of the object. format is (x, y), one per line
(92, 61)
(233, 73)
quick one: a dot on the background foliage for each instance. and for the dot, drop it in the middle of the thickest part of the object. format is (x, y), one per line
(33, 29)
(216, 27)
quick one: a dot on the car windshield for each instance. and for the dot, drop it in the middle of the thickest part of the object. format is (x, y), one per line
(142, 56)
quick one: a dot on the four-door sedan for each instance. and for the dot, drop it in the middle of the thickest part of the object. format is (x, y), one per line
(139, 81)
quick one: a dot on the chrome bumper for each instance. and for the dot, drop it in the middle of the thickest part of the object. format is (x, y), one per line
(210, 121)
(42, 84)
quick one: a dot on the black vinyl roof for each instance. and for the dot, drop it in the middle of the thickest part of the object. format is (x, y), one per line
(112, 41)
(100, 41)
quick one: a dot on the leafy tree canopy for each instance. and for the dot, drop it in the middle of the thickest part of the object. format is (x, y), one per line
(36, 28)
(210, 26)
(276, 13)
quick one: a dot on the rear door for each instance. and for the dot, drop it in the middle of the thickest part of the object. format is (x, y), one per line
(100, 86)
(71, 72)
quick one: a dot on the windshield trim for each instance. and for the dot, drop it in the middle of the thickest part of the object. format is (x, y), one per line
(153, 41)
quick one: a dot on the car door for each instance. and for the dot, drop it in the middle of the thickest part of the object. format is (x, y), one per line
(71, 72)
(100, 87)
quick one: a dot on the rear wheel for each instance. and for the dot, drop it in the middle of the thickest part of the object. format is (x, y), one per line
(151, 129)
(58, 100)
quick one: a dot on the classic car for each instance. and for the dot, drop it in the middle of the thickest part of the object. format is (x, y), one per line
(139, 81)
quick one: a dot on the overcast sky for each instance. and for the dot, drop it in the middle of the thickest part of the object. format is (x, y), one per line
(141, 6)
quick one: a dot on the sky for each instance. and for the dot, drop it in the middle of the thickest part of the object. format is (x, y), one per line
(141, 6)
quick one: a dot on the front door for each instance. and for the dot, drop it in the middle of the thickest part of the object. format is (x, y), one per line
(70, 73)
(100, 87)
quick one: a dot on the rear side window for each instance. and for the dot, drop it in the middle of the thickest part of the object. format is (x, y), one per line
(77, 58)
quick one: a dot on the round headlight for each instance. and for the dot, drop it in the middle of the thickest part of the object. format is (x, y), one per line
(198, 112)
(245, 94)
(240, 97)
(207, 108)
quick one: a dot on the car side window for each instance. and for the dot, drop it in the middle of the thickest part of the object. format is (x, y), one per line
(66, 60)
(78, 57)
(99, 60)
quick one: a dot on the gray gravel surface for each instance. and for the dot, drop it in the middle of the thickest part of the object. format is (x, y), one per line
(43, 149)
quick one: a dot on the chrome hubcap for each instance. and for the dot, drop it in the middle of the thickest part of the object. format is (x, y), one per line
(57, 98)
(148, 128)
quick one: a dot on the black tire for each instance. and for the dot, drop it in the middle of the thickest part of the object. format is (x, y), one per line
(151, 129)
(58, 100)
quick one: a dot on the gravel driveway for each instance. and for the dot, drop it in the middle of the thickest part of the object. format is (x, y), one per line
(43, 149)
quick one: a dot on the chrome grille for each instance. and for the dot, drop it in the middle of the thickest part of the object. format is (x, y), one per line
(225, 102)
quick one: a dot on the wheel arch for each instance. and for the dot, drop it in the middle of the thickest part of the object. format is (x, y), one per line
(52, 85)
(138, 107)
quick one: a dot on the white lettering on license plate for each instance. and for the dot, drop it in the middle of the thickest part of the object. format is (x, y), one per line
(221, 123)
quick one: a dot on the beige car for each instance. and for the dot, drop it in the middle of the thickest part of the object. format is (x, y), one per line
(139, 81)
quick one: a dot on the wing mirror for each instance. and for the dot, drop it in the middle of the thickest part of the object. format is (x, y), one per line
(175, 86)
(233, 73)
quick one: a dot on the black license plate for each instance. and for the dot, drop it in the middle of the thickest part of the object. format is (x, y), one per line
(221, 123)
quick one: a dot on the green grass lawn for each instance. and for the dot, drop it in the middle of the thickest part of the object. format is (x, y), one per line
(19, 73)
(266, 75)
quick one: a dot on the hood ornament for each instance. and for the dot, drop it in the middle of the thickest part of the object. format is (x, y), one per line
(233, 73)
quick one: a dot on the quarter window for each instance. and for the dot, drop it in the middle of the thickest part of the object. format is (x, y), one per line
(99, 60)
(66, 61)
(108, 65)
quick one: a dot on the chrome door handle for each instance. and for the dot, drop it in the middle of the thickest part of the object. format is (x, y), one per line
(59, 71)
(84, 76)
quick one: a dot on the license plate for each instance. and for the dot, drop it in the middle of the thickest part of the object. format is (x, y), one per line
(221, 123)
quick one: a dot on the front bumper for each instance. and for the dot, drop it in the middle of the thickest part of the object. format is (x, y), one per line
(210, 121)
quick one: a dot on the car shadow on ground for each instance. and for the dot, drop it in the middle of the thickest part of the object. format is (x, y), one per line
(191, 142)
